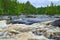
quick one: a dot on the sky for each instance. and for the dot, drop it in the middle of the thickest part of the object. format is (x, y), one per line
(39, 3)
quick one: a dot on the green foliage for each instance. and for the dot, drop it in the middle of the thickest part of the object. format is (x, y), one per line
(12, 7)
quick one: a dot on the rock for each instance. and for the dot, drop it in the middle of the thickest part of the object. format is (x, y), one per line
(56, 23)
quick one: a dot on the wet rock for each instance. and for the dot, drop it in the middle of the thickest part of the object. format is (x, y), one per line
(56, 23)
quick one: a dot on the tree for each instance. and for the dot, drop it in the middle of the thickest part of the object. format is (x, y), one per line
(5, 5)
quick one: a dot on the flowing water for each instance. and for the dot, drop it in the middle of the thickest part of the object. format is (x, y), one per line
(26, 22)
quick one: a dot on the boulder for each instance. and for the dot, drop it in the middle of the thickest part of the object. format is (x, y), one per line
(56, 23)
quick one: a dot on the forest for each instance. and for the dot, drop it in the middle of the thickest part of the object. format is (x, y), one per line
(13, 7)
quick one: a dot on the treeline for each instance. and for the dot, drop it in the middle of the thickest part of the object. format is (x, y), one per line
(12, 7)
